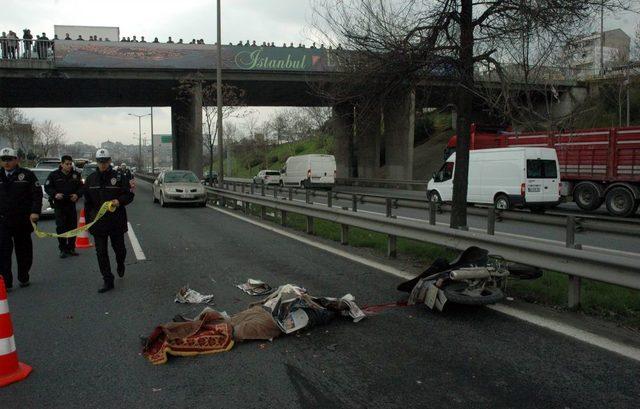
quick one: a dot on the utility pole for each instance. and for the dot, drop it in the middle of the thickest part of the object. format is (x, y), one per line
(219, 101)
(602, 39)
(628, 83)
(153, 161)
(140, 161)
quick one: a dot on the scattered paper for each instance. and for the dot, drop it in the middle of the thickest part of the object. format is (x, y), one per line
(255, 287)
(189, 296)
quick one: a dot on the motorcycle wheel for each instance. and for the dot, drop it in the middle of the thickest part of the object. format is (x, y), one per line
(455, 293)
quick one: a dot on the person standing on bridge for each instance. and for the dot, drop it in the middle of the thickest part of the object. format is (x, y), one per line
(20, 204)
(106, 185)
(64, 187)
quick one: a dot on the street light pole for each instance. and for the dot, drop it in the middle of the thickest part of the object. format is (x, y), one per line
(219, 101)
(153, 161)
(140, 162)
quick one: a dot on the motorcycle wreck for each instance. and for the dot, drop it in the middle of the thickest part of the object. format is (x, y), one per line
(473, 278)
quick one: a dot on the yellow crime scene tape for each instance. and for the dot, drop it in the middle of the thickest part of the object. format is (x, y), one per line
(106, 207)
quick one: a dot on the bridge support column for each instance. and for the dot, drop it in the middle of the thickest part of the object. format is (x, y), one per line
(399, 122)
(186, 128)
(368, 137)
(344, 144)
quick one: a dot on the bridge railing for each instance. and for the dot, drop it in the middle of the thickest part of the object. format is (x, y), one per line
(20, 49)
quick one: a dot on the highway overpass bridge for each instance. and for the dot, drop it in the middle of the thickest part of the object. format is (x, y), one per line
(114, 74)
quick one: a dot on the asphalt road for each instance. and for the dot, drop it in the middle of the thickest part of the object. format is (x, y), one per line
(85, 350)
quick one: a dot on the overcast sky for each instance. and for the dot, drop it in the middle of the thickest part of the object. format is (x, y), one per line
(279, 21)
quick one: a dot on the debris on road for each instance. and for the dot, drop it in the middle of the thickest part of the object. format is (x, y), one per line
(255, 287)
(188, 296)
(289, 309)
(209, 333)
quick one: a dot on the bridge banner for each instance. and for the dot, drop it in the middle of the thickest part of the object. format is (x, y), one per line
(102, 54)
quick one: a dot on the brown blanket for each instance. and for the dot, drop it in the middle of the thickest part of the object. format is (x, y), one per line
(209, 333)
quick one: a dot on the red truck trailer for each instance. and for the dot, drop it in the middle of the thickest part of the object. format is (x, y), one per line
(596, 165)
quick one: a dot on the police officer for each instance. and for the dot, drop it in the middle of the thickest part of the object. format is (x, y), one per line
(64, 187)
(20, 204)
(105, 185)
(126, 175)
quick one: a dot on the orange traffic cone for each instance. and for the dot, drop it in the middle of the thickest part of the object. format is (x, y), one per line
(82, 240)
(11, 370)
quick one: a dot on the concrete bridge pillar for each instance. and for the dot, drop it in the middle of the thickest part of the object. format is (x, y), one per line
(399, 122)
(368, 139)
(344, 147)
(186, 128)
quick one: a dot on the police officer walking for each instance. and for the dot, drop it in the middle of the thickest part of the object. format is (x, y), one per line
(64, 187)
(126, 175)
(20, 204)
(106, 185)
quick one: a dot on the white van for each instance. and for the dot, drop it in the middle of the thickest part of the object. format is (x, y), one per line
(505, 177)
(310, 171)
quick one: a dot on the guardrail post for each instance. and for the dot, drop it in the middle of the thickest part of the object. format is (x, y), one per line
(309, 225)
(262, 189)
(354, 203)
(233, 185)
(245, 206)
(344, 234)
(275, 192)
(573, 298)
(263, 212)
(253, 188)
(392, 246)
(329, 199)
(290, 194)
(242, 188)
(283, 218)
(432, 213)
(491, 220)
(388, 204)
(307, 196)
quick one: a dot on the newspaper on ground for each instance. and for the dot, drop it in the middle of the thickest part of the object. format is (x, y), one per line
(255, 287)
(188, 296)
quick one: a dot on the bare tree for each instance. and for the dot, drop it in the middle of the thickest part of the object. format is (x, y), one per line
(17, 129)
(394, 45)
(49, 138)
(233, 101)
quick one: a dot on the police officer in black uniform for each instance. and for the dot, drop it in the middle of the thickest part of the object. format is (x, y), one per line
(20, 204)
(106, 185)
(126, 175)
(64, 187)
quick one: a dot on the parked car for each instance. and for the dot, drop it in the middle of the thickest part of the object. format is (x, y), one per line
(268, 177)
(79, 163)
(42, 174)
(88, 169)
(310, 171)
(178, 186)
(48, 163)
(506, 177)
(211, 179)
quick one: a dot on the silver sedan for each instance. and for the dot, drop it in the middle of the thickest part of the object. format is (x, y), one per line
(178, 186)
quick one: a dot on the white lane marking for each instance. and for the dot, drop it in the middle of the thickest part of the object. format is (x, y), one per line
(361, 260)
(555, 326)
(579, 334)
(137, 249)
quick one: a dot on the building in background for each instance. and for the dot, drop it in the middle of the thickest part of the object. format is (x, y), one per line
(583, 54)
(163, 151)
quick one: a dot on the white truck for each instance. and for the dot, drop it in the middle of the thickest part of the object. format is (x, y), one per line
(506, 177)
(110, 33)
(314, 170)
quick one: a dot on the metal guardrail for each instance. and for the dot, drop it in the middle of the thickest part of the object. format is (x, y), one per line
(580, 223)
(420, 185)
(13, 48)
(610, 267)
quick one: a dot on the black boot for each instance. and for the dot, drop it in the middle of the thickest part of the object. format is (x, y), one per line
(107, 286)
(120, 270)
(63, 254)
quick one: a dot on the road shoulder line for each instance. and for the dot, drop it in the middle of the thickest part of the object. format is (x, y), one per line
(135, 244)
